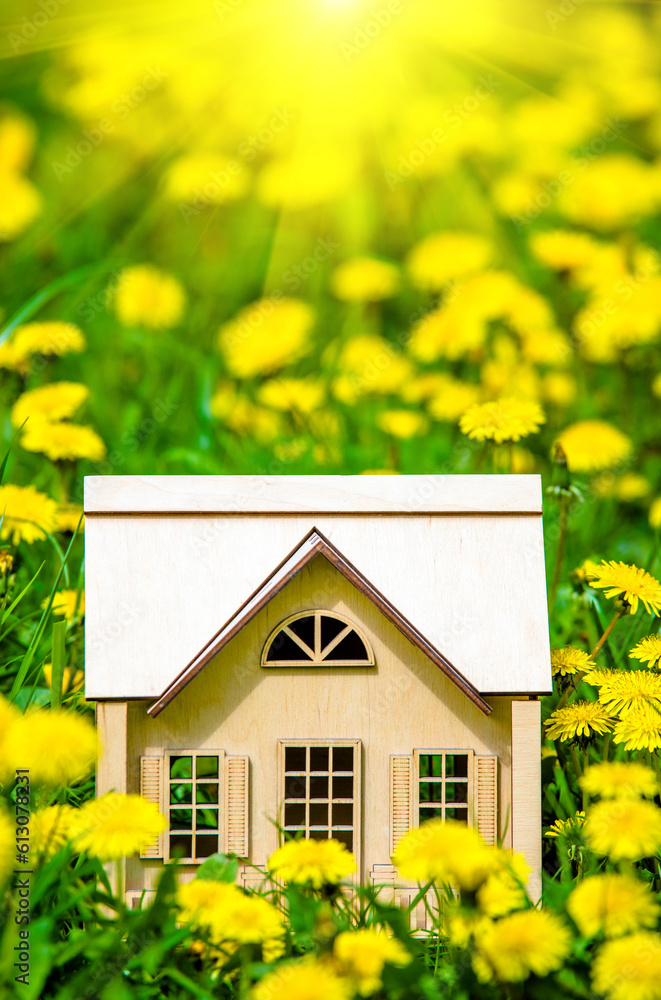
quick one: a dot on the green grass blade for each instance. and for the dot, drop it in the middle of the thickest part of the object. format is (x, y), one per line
(57, 664)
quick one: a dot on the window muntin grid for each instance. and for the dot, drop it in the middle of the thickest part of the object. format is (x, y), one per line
(444, 784)
(193, 798)
(321, 791)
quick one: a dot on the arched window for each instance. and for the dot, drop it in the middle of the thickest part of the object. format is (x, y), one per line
(316, 639)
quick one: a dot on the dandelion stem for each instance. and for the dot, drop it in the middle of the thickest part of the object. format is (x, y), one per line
(560, 552)
(605, 748)
(607, 632)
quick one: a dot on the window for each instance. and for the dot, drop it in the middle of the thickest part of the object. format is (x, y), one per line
(317, 638)
(320, 790)
(193, 793)
(444, 784)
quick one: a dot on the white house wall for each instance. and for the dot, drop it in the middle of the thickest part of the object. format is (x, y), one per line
(159, 586)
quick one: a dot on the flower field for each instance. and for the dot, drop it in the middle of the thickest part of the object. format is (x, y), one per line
(340, 237)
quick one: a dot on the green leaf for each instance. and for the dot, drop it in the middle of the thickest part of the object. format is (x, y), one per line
(219, 868)
(58, 658)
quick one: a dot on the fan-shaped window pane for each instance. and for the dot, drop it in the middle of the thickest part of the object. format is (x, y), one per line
(330, 627)
(283, 647)
(351, 647)
(304, 629)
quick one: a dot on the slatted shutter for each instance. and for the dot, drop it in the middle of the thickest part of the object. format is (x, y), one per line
(151, 788)
(485, 786)
(401, 798)
(236, 805)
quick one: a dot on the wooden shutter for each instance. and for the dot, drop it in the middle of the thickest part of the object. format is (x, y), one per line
(151, 788)
(236, 805)
(486, 796)
(401, 798)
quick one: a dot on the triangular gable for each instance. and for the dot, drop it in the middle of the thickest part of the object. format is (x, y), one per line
(313, 544)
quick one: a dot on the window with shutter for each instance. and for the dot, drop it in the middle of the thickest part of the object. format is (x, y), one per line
(204, 795)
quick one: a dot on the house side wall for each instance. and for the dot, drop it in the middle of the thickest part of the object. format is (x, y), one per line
(402, 703)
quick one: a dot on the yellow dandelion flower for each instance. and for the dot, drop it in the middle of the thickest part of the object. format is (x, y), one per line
(586, 571)
(654, 515)
(68, 603)
(68, 518)
(570, 660)
(7, 846)
(442, 256)
(369, 365)
(257, 422)
(116, 825)
(63, 442)
(619, 779)
(613, 191)
(632, 486)
(20, 204)
(624, 829)
(633, 583)
(648, 650)
(582, 719)
(452, 399)
(521, 944)
(591, 445)
(229, 914)
(570, 828)
(559, 388)
(57, 747)
(562, 249)
(8, 716)
(361, 955)
(613, 905)
(505, 890)
(202, 900)
(629, 968)
(316, 862)
(28, 514)
(639, 728)
(72, 680)
(17, 138)
(51, 338)
(502, 420)
(402, 423)
(56, 401)
(628, 689)
(49, 829)
(305, 178)
(299, 395)
(546, 347)
(599, 675)
(266, 335)
(447, 851)
(305, 979)
(205, 178)
(447, 332)
(364, 279)
(147, 297)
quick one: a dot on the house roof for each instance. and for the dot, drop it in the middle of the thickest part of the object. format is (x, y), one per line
(312, 545)
(168, 558)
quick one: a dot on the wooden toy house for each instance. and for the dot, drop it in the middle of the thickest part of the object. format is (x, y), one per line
(347, 655)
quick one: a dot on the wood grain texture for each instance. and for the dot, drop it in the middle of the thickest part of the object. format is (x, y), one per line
(402, 704)
(527, 789)
(485, 790)
(158, 588)
(112, 727)
(401, 798)
(235, 819)
(313, 494)
(313, 545)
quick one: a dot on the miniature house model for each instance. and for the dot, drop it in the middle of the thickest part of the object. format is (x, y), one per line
(345, 656)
